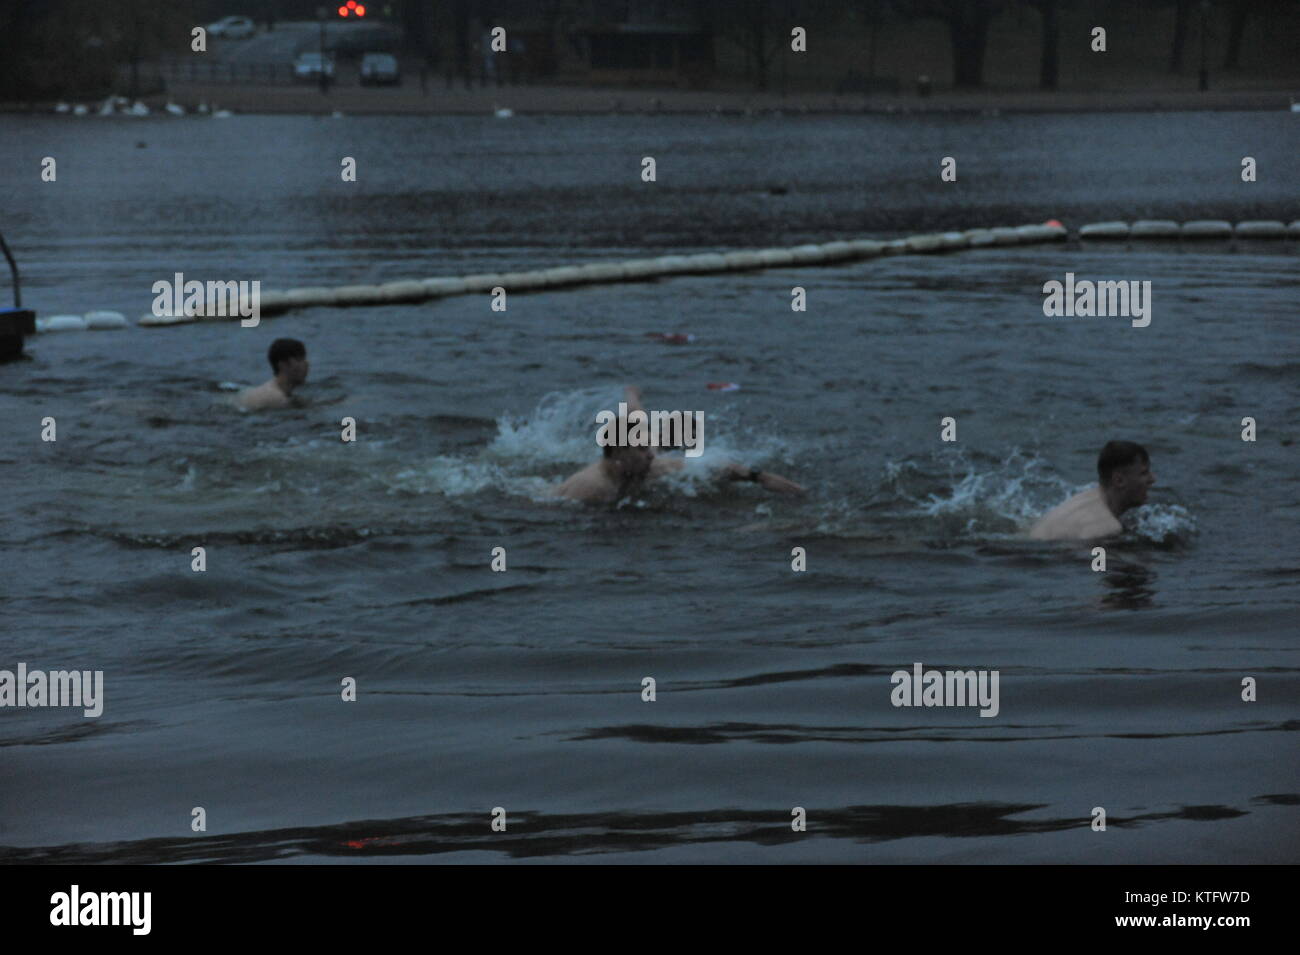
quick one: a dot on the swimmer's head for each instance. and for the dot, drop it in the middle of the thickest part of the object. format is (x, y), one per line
(629, 462)
(288, 356)
(1124, 469)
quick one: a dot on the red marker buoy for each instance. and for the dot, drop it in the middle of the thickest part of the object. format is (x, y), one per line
(1054, 223)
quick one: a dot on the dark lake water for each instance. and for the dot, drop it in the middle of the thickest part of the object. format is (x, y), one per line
(522, 689)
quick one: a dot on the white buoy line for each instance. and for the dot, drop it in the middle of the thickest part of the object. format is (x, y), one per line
(706, 263)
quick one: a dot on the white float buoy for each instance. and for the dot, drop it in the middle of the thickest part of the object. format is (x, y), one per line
(563, 275)
(1040, 233)
(923, 243)
(444, 286)
(835, 251)
(775, 257)
(81, 109)
(502, 112)
(705, 263)
(62, 108)
(309, 296)
(148, 320)
(523, 281)
(602, 272)
(1261, 229)
(1207, 229)
(1104, 230)
(1154, 229)
(403, 291)
(358, 295)
(744, 259)
(482, 282)
(643, 268)
(102, 320)
(61, 323)
(808, 254)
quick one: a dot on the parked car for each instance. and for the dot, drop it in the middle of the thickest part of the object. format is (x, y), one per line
(377, 68)
(310, 66)
(232, 28)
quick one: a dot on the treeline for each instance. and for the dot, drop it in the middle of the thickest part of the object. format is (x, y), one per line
(55, 47)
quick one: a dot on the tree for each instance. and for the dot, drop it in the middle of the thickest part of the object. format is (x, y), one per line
(968, 29)
(758, 27)
(1182, 15)
(1050, 43)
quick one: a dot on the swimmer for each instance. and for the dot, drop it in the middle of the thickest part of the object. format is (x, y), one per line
(288, 358)
(625, 469)
(1124, 469)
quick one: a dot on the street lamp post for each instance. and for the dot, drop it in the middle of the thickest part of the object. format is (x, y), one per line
(1205, 71)
(320, 15)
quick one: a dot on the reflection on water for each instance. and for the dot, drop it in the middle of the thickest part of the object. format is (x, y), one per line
(1131, 584)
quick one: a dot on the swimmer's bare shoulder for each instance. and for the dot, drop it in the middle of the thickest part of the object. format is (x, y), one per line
(588, 485)
(263, 396)
(1082, 517)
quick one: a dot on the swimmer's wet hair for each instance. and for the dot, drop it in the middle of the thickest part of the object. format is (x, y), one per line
(1119, 454)
(282, 349)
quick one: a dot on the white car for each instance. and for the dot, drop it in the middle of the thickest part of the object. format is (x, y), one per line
(310, 66)
(232, 28)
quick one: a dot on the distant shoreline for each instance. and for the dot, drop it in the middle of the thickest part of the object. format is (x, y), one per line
(565, 100)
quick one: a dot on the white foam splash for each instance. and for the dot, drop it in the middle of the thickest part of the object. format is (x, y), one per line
(1162, 523)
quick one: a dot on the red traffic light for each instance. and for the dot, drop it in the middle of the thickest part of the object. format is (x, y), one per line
(352, 8)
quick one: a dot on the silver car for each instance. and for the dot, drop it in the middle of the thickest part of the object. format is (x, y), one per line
(310, 66)
(377, 68)
(232, 28)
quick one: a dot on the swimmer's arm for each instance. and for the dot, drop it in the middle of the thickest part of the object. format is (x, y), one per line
(661, 466)
(764, 479)
(584, 485)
